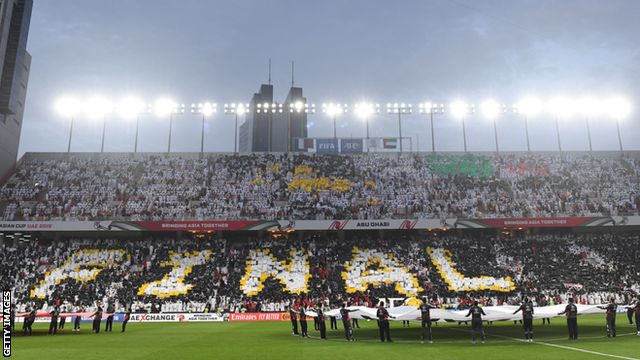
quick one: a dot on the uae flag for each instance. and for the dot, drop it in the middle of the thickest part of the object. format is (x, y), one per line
(305, 144)
(390, 143)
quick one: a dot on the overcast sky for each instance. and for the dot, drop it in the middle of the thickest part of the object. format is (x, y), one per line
(347, 51)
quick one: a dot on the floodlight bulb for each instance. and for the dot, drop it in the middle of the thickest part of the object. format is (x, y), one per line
(459, 109)
(67, 106)
(490, 109)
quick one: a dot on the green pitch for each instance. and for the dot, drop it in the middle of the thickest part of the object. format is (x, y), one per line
(274, 341)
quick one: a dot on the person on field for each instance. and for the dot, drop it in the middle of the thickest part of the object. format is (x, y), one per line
(293, 317)
(527, 318)
(97, 317)
(303, 321)
(571, 312)
(53, 325)
(346, 322)
(611, 309)
(126, 318)
(476, 312)
(109, 325)
(322, 326)
(425, 315)
(383, 322)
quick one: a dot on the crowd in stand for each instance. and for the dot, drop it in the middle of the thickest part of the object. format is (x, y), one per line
(208, 274)
(306, 186)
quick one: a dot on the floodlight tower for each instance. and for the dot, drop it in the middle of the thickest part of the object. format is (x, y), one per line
(563, 108)
(400, 109)
(528, 107)
(491, 110)
(167, 107)
(204, 109)
(431, 109)
(333, 111)
(130, 107)
(68, 107)
(365, 111)
(620, 109)
(460, 110)
(236, 109)
(99, 107)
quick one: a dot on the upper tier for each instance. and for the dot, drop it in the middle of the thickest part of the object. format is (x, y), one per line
(177, 186)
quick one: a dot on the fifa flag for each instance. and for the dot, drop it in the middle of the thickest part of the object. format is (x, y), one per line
(305, 144)
(390, 143)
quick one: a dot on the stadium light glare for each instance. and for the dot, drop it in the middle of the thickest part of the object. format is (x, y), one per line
(589, 106)
(97, 106)
(459, 109)
(561, 107)
(490, 109)
(618, 107)
(165, 107)
(529, 106)
(333, 109)
(208, 109)
(240, 110)
(364, 110)
(67, 106)
(130, 107)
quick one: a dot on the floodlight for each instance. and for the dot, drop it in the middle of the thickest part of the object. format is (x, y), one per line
(129, 107)
(459, 109)
(618, 107)
(529, 106)
(240, 110)
(298, 106)
(67, 106)
(97, 107)
(165, 106)
(364, 110)
(490, 109)
(561, 107)
(207, 109)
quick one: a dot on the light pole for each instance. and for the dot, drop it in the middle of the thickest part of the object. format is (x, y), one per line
(130, 107)
(560, 108)
(333, 111)
(619, 108)
(206, 109)
(399, 109)
(98, 107)
(460, 110)
(528, 107)
(431, 110)
(365, 111)
(167, 107)
(491, 110)
(68, 107)
(240, 109)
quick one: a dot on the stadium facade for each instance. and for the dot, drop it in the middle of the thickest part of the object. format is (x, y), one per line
(15, 63)
(272, 129)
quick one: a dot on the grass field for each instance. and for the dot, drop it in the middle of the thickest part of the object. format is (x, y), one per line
(274, 341)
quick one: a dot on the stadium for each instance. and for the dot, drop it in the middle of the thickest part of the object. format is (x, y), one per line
(267, 229)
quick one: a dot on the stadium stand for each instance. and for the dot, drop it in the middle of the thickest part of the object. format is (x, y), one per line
(175, 274)
(306, 186)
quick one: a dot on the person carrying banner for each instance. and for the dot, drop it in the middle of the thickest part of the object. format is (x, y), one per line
(346, 322)
(63, 319)
(97, 317)
(126, 318)
(109, 325)
(425, 315)
(611, 309)
(383, 322)
(527, 318)
(571, 312)
(76, 322)
(476, 312)
(303, 321)
(53, 325)
(322, 326)
(293, 316)
(637, 311)
(28, 321)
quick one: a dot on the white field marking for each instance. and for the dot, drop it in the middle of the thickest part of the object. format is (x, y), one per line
(569, 348)
(557, 346)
